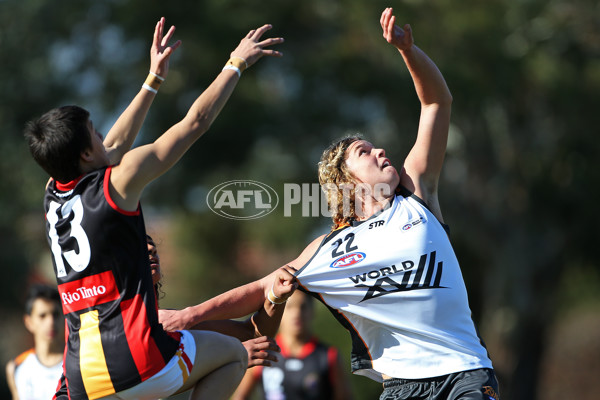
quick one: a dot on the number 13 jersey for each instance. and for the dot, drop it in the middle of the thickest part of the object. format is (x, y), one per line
(394, 282)
(114, 340)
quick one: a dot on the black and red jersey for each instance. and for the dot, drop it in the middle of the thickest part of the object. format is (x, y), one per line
(307, 376)
(114, 340)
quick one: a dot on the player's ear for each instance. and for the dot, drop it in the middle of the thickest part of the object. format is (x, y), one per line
(27, 322)
(86, 155)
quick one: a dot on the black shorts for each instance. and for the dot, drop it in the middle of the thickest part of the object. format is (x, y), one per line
(478, 384)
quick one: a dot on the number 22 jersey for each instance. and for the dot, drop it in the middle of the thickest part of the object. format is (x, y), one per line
(114, 340)
(394, 282)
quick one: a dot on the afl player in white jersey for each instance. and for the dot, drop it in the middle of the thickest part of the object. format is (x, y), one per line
(387, 270)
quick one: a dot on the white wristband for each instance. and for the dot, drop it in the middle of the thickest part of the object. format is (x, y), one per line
(157, 76)
(149, 88)
(274, 299)
(233, 67)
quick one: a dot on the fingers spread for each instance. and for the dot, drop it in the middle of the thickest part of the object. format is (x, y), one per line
(260, 31)
(168, 36)
(270, 42)
(175, 45)
(157, 34)
(251, 48)
(272, 53)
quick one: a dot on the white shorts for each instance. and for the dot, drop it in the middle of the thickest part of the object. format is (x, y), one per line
(169, 379)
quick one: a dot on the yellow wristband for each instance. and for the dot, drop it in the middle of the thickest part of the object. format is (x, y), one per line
(274, 299)
(237, 62)
(153, 82)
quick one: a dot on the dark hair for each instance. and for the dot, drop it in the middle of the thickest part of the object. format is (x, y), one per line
(41, 291)
(158, 292)
(57, 139)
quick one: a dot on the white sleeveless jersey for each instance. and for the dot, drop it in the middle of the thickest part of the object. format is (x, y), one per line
(394, 282)
(35, 381)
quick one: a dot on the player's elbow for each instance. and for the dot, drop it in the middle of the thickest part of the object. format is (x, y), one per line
(438, 101)
(443, 99)
(201, 125)
(198, 123)
(447, 99)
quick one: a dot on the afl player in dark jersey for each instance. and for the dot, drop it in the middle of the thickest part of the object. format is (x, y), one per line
(95, 228)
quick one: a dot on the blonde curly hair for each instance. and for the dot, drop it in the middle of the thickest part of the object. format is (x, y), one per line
(337, 183)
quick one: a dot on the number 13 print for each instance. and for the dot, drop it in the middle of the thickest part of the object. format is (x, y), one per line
(77, 261)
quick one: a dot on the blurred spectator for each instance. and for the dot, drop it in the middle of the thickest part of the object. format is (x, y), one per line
(307, 369)
(34, 374)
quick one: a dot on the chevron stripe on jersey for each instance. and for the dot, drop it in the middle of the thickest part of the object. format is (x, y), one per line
(394, 282)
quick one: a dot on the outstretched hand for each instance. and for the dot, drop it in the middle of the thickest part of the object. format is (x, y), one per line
(161, 50)
(251, 48)
(261, 351)
(173, 320)
(402, 38)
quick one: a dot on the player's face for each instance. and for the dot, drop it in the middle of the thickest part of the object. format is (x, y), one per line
(98, 151)
(297, 316)
(154, 262)
(45, 320)
(368, 165)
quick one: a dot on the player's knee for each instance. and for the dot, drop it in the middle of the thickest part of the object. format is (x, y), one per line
(241, 364)
(239, 353)
(233, 350)
(237, 359)
(244, 356)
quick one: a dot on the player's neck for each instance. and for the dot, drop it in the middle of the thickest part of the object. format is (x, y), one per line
(48, 353)
(370, 206)
(295, 343)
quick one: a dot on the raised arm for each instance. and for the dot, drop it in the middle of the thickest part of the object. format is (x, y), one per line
(121, 136)
(423, 164)
(143, 164)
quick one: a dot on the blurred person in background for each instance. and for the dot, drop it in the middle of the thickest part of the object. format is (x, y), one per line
(34, 374)
(307, 369)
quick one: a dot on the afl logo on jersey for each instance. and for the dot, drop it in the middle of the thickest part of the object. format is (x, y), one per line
(348, 260)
